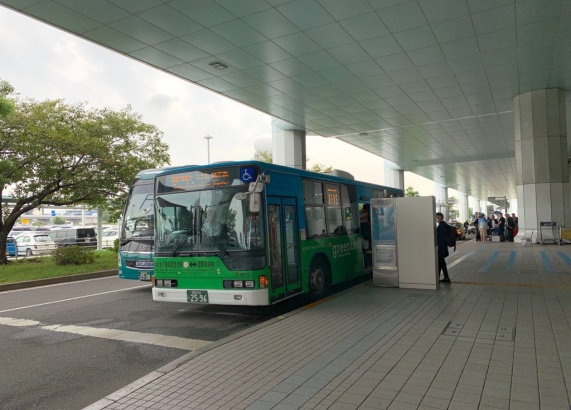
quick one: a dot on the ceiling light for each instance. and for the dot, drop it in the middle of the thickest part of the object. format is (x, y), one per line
(362, 134)
(218, 65)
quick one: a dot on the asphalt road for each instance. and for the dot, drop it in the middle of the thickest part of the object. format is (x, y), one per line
(68, 345)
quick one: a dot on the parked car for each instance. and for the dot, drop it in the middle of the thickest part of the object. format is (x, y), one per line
(108, 237)
(74, 236)
(36, 243)
(11, 246)
(460, 230)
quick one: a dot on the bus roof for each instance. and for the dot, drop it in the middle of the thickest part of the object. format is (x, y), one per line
(265, 166)
(150, 173)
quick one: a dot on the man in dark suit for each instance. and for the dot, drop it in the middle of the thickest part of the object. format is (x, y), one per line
(441, 234)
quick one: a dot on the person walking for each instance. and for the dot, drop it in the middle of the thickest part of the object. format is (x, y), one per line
(441, 235)
(483, 228)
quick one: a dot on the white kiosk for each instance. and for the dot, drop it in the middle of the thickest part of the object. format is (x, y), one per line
(405, 252)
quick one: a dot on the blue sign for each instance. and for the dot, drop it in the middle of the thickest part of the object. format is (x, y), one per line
(53, 212)
(247, 174)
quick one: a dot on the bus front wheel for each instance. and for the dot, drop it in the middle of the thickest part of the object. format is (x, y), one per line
(317, 278)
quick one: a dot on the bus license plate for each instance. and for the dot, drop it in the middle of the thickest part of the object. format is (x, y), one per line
(144, 264)
(144, 276)
(197, 296)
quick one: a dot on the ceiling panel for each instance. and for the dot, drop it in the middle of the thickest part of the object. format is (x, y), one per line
(426, 84)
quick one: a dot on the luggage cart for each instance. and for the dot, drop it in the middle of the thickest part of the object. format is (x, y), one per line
(548, 232)
(495, 235)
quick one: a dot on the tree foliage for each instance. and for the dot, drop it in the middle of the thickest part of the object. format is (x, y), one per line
(451, 203)
(53, 153)
(410, 191)
(320, 168)
(265, 156)
(6, 104)
(59, 220)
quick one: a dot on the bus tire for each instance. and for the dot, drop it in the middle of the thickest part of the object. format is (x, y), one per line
(318, 273)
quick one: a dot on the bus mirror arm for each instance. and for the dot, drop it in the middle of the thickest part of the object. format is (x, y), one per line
(258, 185)
(254, 202)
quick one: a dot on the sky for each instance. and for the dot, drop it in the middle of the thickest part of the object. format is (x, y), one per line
(43, 62)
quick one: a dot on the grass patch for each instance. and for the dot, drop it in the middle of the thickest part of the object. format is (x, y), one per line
(24, 269)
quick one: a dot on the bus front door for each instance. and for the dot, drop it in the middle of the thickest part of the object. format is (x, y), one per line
(283, 236)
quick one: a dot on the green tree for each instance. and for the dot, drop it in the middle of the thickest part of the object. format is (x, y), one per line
(451, 204)
(52, 153)
(59, 220)
(267, 157)
(410, 191)
(320, 168)
(6, 103)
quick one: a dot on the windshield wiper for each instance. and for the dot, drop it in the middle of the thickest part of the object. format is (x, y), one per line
(183, 240)
(215, 242)
(136, 238)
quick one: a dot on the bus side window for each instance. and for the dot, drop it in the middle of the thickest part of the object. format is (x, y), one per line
(315, 217)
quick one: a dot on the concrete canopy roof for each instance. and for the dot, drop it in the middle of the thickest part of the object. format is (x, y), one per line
(427, 84)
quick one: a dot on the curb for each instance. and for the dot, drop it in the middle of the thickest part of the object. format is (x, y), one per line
(149, 378)
(57, 279)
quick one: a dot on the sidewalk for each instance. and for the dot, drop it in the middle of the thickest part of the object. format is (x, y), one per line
(498, 336)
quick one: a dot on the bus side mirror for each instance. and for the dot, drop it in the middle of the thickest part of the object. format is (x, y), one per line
(255, 202)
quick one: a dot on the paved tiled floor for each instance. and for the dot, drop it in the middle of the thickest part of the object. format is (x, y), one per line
(497, 337)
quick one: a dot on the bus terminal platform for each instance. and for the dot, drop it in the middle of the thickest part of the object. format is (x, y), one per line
(497, 337)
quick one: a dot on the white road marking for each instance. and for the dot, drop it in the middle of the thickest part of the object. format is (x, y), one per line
(113, 334)
(76, 298)
(456, 262)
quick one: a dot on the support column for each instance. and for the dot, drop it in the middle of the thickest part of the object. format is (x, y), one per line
(542, 171)
(441, 194)
(463, 207)
(394, 175)
(288, 145)
(484, 207)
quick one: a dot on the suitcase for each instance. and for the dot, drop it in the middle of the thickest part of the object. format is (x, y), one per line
(495, 238)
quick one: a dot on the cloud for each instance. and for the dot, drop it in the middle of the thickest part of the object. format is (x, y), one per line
(162, 101)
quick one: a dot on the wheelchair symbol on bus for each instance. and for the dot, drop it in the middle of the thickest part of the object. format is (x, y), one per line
(247, 174)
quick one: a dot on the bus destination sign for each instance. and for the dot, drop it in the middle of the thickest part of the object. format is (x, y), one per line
(199, 180)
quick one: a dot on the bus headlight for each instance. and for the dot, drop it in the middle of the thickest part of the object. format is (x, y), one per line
(263, 282)
(232, 284)
(167, 283)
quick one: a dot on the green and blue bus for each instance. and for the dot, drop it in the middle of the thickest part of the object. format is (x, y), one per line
(252, 233)
(136, 233)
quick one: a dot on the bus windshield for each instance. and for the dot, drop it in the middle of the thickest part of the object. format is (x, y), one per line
(215, 221)
(139, 214)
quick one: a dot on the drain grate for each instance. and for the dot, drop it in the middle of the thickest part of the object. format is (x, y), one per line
(452, 329)
(506, 333)
(502, 333)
